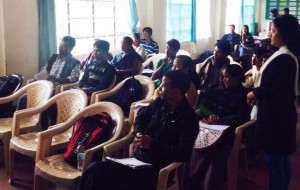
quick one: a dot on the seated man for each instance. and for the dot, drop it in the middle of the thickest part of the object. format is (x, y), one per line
(233, 38)
(150, 46)
(164, 132)
(91, 57)
(209, 72)
(166, 64)
(252, 76)
(98, 74)
(127, 63)
(62, 68)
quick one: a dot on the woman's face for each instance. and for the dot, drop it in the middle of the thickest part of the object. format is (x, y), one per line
(229, 80)
(244, 30)
(177, 65)
(136, 41)
(276, 38)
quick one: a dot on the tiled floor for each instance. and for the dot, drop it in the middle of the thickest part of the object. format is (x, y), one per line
(258, 174)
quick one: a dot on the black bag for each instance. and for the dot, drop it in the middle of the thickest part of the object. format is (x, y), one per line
(131, 91)
(8, 85)
(91, 131)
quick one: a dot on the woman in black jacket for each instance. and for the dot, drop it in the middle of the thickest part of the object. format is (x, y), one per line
(276, 95)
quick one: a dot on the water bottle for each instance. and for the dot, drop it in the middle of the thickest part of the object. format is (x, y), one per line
(80, 156)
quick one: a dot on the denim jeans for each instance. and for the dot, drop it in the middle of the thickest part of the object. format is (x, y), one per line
(280, 171)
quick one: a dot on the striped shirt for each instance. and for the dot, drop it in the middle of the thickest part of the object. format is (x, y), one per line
(150, 47)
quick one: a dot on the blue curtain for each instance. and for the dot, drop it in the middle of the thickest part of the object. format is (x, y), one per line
(131, 14)
(248, 14)
(181, 20)
(47, 30)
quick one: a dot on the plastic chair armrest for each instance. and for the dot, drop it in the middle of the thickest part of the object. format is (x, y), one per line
(117, 145)
(65, 87)
(164, 175)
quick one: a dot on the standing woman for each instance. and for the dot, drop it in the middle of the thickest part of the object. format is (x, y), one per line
(276, 95)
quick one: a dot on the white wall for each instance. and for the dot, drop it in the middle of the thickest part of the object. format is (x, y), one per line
(152, 13)
(2, 45)
(20, 22)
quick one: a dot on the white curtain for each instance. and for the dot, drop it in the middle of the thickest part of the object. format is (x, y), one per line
(211, 15)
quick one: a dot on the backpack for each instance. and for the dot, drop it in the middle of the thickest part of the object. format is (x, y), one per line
(8, 85)
(91, 131)
(130, 92)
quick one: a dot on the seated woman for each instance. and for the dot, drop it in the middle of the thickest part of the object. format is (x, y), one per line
(226, 105)
(136, 46)
(185, 63)
(247, 46)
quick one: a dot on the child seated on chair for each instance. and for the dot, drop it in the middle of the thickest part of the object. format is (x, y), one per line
(225, 105)
(164, 132)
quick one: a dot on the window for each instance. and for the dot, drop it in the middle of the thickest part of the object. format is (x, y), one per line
(179, 20)
(86, 20)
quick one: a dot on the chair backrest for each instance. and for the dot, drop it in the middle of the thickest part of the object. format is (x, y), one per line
(68, 103)
(20, 78)
(38, 92)
(154, 59)
(148, 85)
(183, 52)
(188, 46)
(232, 162)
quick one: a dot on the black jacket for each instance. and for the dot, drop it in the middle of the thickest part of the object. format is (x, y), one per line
(173, 132)
(277, 115)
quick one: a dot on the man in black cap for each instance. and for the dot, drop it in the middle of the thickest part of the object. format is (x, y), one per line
(274, 13)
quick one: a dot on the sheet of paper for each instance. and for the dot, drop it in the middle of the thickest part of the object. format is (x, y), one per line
(43, 75)
(131, 162)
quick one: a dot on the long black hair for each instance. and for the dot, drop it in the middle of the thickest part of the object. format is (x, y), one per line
(289, 29)
(187, 62)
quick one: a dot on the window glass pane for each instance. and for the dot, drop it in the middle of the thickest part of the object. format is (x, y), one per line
(104, 27)
(81, 27)
(83, 46)
(61, 9)
(80, 9)
(104, 9)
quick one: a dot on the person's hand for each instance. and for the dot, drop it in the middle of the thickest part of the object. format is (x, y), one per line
(53, 78)
(251, 98)
(142, 141)
(165, 60)
(248, 75)
(213, 119)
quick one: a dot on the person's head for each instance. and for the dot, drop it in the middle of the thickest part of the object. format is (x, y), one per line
(147, 32)
(174, 85)
(245, 29)
(66, 45)
(258, 56)
(183, 63)
(286, 11)
(136, 39)
(285, 30)
(222, 50)
(232, 28)
(172, 48)
(233, 76)
(126, 44)
(274, 12)
(101, 48)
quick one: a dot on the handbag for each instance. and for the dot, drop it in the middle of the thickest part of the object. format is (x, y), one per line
(208, 135)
